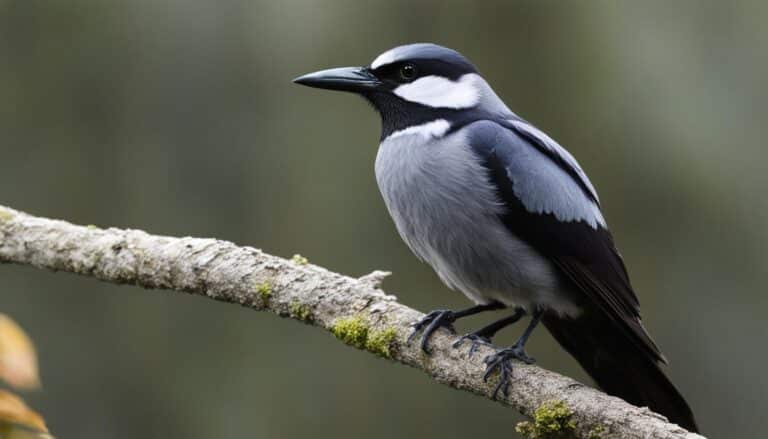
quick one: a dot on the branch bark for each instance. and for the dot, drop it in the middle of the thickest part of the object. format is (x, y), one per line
(355, 310)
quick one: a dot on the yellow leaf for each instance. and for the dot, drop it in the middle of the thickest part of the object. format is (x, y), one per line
(8, 431)
(14, 411)
(18, 361)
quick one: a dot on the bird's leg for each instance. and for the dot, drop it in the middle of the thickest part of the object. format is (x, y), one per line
(483, 335)
(501, 360)
(445, 318)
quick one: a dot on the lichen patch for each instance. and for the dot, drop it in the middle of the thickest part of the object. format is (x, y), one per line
(553, 419)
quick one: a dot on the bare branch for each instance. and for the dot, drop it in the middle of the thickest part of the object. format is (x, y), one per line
(355, 310)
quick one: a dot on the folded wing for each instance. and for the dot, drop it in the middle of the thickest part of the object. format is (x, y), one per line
(551, 204)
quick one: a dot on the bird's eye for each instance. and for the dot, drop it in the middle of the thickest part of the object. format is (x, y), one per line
(408, 72)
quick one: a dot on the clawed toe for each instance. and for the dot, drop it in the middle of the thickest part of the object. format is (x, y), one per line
(475, 341)
(430, 323)
(503, 364)
(501, 361)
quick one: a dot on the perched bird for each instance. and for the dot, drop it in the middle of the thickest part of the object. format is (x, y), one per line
(505, 215)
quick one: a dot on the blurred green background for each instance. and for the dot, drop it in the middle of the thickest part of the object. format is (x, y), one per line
(179, 117)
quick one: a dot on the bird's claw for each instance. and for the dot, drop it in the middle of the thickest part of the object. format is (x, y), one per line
(430, 323)
(501, 361)
(475, 340)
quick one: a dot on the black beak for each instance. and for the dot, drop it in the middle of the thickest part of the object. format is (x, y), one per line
(354, 79)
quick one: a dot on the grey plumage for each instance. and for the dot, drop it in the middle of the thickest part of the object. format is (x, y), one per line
(447, 211)
(554, 148)
(505, 215)
(540, 184)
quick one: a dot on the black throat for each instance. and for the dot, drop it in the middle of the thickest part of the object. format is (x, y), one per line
(398, 114)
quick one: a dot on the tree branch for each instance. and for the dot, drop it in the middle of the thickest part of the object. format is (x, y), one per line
(355, 310)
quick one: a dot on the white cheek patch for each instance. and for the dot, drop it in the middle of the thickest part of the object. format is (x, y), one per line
(436, 128)
(439, 92)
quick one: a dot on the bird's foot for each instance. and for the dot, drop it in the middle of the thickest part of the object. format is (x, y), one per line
(430, 323)
(501, 361)
(475, 340)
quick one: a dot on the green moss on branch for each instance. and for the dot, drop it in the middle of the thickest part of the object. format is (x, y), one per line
(264, 290)
(553, 419)
(382, 342)
(357, 332)
(596, 432)
(352, 331)
(5, 215)
(301, 311)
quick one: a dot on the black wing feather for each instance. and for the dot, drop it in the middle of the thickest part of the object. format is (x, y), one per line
(608, 338)
(586, 256)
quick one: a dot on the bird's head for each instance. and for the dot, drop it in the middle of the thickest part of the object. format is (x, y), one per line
(416, 85)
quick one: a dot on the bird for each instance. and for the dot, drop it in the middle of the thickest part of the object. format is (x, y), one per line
(505, 215)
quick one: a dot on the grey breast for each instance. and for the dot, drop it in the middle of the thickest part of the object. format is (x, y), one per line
(446, 210)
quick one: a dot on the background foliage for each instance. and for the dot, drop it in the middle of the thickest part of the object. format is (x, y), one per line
(179, 117)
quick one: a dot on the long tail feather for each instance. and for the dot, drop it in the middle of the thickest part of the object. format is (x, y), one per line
(618, 366)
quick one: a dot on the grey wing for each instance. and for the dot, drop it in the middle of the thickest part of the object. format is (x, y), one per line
(555, 152)
(546, 206)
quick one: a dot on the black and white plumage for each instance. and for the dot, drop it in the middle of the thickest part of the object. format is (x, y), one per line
(505, 215)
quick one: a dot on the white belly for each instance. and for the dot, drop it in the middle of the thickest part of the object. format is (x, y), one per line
(445, 209)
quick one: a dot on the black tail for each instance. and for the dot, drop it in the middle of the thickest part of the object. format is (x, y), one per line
(618, 366)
